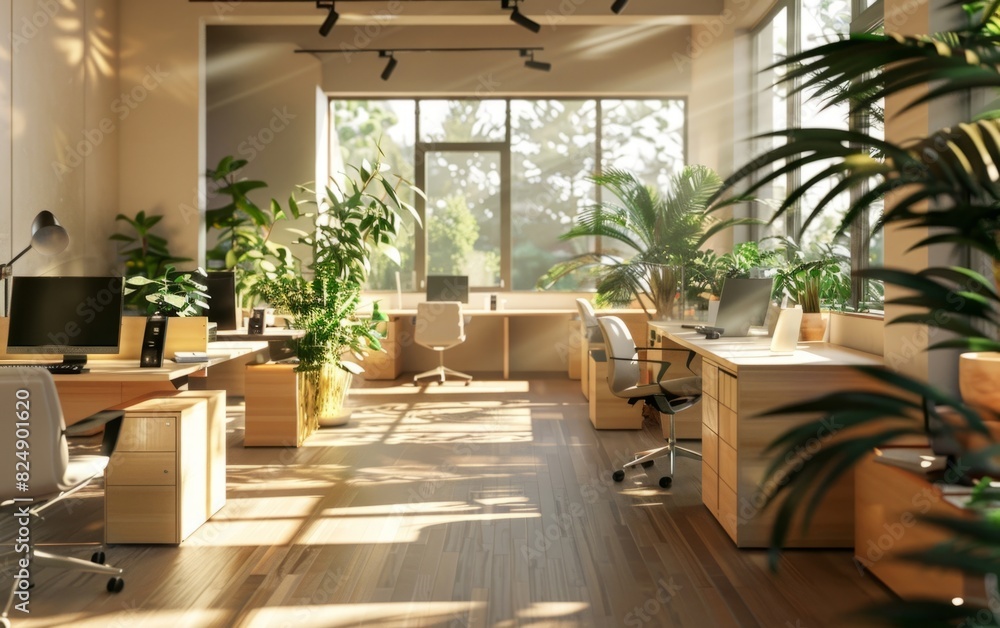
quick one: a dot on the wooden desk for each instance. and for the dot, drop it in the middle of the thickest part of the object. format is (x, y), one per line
(530, 340)
(741, 379)
(109, 383)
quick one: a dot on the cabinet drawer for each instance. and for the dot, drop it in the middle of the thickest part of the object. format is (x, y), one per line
(727, 390)
(727, 465)
(727, 424)
(145, 433)
(727, 510)
(710, 413)
(710, 489)
(710, 379)
(710, 448)
(140, 514)
(156, 468)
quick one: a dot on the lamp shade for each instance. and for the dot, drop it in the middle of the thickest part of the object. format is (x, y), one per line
(48, 237)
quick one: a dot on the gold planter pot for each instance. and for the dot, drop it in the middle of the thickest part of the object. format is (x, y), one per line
(322, 396)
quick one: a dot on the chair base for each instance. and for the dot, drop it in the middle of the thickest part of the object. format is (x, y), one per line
(646, 458)
(442, 372)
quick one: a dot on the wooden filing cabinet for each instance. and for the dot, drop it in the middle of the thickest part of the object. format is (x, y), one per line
(606, 411)
(272, 407)
(167, 475)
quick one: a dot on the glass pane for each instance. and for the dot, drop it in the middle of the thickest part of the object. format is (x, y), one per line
(359, 127)
(822, 21)
(552, 153)
(463, 215)
(645, 137)
(463, 120)
(770, 110)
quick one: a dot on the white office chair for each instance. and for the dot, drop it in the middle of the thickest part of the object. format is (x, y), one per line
(592, 339)
(34, 438)
(667, 396)
(440, 326)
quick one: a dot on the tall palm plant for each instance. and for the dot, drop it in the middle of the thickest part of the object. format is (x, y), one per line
(647, 238)
(945, 182)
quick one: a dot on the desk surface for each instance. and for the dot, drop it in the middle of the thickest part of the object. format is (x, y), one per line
(755, 350)
(115, 370)
(469, 311)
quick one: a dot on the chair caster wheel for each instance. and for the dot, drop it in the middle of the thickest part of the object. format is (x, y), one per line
(4, 622)
(98, 557)
(647, 464)
(618, 475)
(666, 481)
(115, 585)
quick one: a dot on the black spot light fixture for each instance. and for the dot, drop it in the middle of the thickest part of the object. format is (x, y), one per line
(331, 17)
(519, 18)
(619, 6)
(535, 65)
(390, 66)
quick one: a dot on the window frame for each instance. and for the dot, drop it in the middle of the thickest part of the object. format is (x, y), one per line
(421, 148)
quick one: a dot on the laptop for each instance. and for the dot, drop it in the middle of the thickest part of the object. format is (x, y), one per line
(743, 303)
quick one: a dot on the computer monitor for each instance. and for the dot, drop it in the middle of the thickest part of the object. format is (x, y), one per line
(221, 289)
(74, 316)
(743, 303)
(448, 288)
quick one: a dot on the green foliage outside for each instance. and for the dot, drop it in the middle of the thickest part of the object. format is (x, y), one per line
(451, 238)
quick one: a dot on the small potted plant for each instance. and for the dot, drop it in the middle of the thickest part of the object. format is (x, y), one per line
(813, 285)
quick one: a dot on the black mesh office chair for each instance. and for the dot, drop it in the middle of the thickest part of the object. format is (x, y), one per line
(667, 396)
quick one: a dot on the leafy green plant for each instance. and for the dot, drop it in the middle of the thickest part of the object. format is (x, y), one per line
(244, 230)
(945, 184)
(175, 293)
(355, 223)
(708, 271)
(145, 253)
(658, 234)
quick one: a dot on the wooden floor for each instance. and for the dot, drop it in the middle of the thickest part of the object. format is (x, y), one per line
(488, 505)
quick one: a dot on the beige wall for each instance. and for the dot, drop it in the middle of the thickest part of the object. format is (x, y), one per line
(58, 76)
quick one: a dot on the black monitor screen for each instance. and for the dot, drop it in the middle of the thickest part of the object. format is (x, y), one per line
(68, 315)
(743, 302)
(221, 289)
(448, 288)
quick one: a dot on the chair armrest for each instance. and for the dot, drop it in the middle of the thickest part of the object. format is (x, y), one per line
(690, 354)
(110, 420)
(664, 365)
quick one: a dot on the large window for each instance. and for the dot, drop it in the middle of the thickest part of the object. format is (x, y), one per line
(504, 178)
(793, 26)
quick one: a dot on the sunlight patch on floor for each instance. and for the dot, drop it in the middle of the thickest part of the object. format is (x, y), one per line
(383, 615)
(399, 527)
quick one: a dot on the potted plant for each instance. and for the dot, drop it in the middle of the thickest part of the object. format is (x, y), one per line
(355, 222)
(657, 235)
(810, 285)
(946, 185)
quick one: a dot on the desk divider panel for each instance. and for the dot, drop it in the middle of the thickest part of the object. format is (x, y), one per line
(183, 334)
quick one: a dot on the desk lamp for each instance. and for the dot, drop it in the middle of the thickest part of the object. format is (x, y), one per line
(48, 237)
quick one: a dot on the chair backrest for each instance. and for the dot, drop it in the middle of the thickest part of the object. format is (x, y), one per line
(32, 432)
(623, 367)
(439, 323)
(589, 319)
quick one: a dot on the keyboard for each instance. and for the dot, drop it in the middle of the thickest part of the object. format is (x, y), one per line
(55, 369)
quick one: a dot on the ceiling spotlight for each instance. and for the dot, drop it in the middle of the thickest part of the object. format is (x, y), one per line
(330, 20)
(520, 19)
(535, 65)
(619, 6)
(389, 67)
